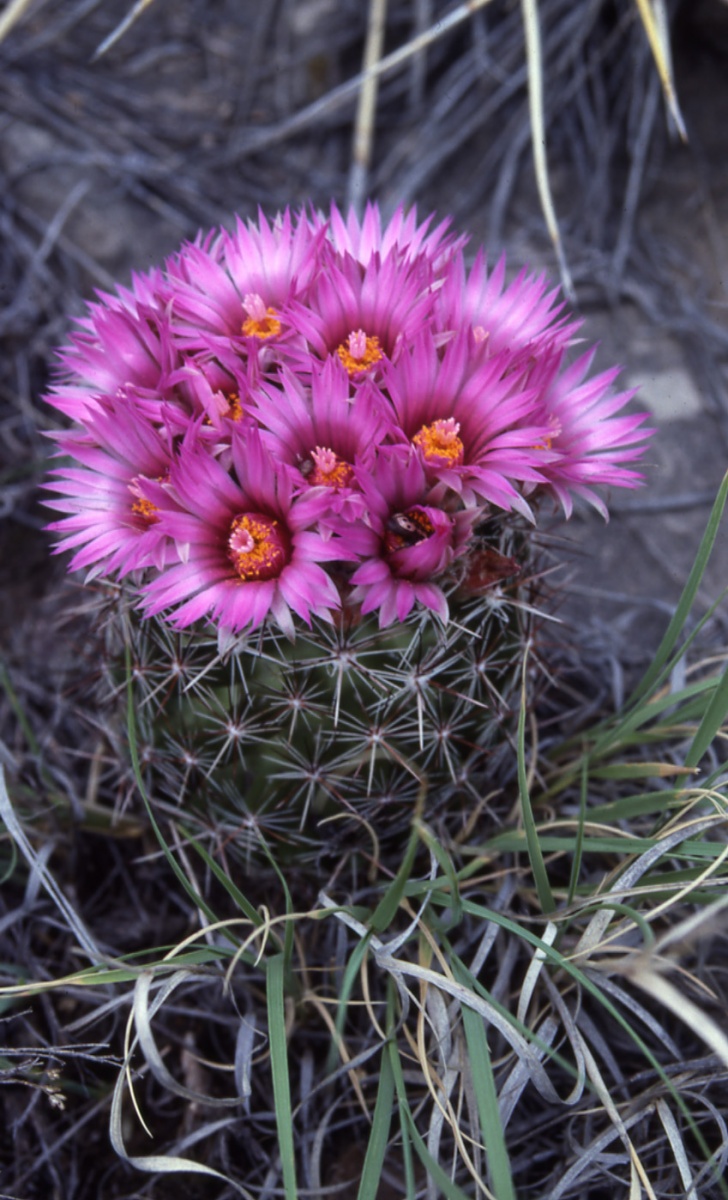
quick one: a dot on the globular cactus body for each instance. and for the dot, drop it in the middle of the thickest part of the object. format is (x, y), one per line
(348, 721)
(315, 450)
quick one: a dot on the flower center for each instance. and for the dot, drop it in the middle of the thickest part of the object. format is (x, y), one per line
(328, 470)
(547, 441)
(407, 529)
(257, 546)
(235, 408)
(440, 444)
(261, 322)
(359, 352)
(145, 509)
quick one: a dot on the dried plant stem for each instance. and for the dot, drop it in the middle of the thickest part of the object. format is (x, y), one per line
(366, 109)
(538, 136)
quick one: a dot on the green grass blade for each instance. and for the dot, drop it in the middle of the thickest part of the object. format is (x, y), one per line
(13, 701)
(486, 1098)
(275, 977)
(342, 1004)
(288, 929)
(713, 719)
(232, 890)
(449, 1189)
(579, 846)
(381, 1122)
(384, 912)
(448, 871)
(687, 598)
(543, 887)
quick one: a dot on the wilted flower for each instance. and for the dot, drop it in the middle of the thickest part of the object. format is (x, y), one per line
(409, 539)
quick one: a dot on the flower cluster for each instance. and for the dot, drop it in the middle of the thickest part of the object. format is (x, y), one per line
(297, 414)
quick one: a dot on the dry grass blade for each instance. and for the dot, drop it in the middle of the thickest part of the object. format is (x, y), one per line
(161, 1164)
(538, 136)
(677, 1143)
(37, 865)
(12, 15)
(364, 124)
(122, 28)
(654, 18)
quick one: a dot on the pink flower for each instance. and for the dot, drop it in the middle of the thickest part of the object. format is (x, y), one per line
(123, 345)
(402, 237)
(111, 517)
(323, 431)
(300, 394)
(362, 314)
(585, 440)
(523, 319)
(229, 291)
(247, 548)
(408, 541)
(470, 418)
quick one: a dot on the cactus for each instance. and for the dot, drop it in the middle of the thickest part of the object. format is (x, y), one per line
(314, 452)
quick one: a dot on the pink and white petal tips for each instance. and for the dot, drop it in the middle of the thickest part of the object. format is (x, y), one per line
(588, 441)
(275, 262)
(470, 419)
(408, 542)
(111, 517)
(401, 236)
(523, 317)
(121, 345)
(236, 285)
(323, 431)
(362, 314)
(249, 551)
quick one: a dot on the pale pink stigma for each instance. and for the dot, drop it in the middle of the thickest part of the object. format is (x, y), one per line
(255, 307)
(258, 547)
(357, 344)
(329, 470)
(261, 322)
(440, 444)
(241, 542)
(359, 352)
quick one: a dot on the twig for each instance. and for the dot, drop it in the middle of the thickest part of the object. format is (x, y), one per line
(364, 125)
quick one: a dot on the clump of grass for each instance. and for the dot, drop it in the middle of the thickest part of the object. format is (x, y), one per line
(530, 1004)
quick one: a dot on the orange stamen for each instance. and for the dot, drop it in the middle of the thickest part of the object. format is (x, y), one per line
(359, 352)
(235, 408)
(261, 322)
(257, 547)
(146, 510)
(141, 507)
(329, 470)
(440, 444)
